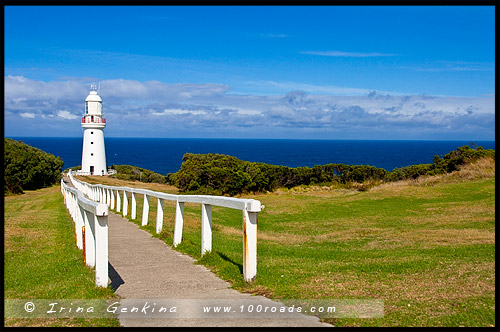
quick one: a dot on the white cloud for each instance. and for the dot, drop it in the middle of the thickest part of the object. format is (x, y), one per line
(66, 115)
(159, 109)
(452, 66)
(348, 54)
(179, 111)
(274, 35)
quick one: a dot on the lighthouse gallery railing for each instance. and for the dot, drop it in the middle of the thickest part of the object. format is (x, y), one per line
(111, 196)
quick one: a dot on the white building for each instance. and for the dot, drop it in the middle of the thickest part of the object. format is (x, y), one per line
(93, 153)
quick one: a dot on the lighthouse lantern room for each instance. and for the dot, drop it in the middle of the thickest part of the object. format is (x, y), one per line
(93, 152)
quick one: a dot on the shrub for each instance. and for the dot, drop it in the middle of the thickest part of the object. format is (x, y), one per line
(226, 175)
(134, 173)
(28, 168)
(461, 156)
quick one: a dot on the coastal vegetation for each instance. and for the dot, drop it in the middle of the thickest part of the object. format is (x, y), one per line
(134, 173)
(28, 168)
(219, 174)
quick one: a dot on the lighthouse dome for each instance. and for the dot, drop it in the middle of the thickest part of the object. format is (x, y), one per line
(93, 96)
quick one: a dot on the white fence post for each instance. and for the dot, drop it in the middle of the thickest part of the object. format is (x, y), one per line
(125, 203)
(112, 199)
(101, 251)
(159, 216)
(89, 239)
(145, 210)
(79, 225)
(118, 201)
(179, 220)
(133, 214)
(249, 245)
(206, 228)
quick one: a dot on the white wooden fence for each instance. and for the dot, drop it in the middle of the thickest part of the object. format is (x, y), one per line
(91, 229)
(117, 198)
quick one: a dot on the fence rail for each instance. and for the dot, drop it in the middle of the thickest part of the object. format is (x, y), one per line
(91, 229)
(80, 172)
(117, 198)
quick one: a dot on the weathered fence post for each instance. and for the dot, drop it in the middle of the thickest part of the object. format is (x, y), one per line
(179, 220)
(145, 210)
(159, 216)
(112, 199)
(249, 245)
(101, 255)
(133, 214)
(89, 239)
(79, 225)
(118, 201)
(206, 228)
(125, 203)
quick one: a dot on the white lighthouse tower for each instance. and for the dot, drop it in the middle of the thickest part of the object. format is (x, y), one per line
(93, 153)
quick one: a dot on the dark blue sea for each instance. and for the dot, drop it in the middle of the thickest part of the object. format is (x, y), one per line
(164, 155)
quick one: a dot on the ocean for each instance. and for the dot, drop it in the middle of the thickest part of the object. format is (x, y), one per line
(164, 155)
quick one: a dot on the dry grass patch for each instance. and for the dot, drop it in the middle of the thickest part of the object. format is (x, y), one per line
(448, 283)
(110, 181)
(484, 168)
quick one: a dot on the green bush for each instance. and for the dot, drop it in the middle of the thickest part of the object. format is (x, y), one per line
(28, 168)
(462, 155)
(226, 175)
(220, 174)
(449, 163)
(134, 173)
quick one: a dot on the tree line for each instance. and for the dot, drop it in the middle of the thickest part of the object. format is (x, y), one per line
(220, 174)
(29, 168)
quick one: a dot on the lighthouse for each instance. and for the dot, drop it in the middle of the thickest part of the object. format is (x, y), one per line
(93, 152)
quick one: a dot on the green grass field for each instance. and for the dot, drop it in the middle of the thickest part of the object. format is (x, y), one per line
(41, 260)
(425, 247)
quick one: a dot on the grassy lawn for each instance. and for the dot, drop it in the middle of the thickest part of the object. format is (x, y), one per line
(425, 247)
(41, 260)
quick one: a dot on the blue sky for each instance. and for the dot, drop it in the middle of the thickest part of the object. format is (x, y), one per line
(330, 72)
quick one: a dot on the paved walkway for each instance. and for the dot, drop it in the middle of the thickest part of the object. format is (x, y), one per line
(147, 273)
(145, 269)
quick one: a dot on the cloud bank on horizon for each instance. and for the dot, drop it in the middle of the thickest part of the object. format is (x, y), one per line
(156, 109)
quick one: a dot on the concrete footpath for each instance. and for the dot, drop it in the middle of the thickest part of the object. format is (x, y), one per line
(147, 273)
